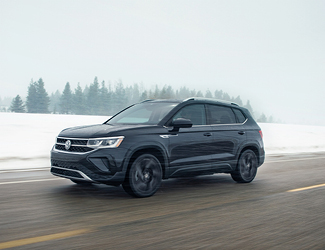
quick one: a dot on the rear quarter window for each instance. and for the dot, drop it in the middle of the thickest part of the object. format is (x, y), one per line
(240, 116)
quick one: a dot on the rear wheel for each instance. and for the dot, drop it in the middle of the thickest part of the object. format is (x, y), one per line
(246, 167)
(144, 177)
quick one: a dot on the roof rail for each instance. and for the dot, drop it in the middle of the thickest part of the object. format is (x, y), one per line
(212, 99)
(189, 99)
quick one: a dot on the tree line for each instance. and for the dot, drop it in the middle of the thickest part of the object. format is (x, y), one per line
(105, 99)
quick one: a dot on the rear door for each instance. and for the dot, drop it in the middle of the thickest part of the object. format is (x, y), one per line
(228, 135)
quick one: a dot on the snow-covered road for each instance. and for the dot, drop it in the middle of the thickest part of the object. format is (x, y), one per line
(26, 139)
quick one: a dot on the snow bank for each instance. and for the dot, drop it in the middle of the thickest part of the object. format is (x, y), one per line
(288, 138)
(26, 139)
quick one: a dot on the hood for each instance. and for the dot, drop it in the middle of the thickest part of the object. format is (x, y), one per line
(96, 131)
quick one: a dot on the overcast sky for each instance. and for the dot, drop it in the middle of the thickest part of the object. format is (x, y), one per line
(270, 52)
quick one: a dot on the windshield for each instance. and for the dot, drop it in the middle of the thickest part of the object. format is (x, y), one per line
(150, 113)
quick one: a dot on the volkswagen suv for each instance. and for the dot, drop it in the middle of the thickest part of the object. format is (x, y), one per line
(160, 139)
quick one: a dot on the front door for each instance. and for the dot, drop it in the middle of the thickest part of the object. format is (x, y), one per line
(190, 149)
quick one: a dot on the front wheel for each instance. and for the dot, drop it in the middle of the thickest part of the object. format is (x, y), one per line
(246, 167)
(144, 177)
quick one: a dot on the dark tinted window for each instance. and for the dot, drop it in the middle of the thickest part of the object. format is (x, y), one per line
(240, 116)
(195, 112)
(220, 115)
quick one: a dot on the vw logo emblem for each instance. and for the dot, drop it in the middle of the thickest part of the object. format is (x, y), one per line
(67, 144)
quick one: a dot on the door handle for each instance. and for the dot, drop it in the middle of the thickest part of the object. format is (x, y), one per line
(207, 134)
(241, 132)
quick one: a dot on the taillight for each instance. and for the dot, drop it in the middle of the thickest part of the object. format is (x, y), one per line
(261, 133)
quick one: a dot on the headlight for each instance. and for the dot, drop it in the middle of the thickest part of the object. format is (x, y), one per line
(109, 142)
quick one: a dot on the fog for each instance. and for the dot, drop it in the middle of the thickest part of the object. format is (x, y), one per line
(269, 52)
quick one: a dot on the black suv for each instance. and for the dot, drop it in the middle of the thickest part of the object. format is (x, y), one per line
(161, 139)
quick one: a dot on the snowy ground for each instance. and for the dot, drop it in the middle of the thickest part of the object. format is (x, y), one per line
(26, 139)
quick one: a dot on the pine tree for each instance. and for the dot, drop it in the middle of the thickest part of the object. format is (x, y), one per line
(104, 100)
(249, 107)
(66, 101)
(31, 101)
(156, 94)
(199, 94)
(238, 101)
(208, 94)
(262, 118)
(167, 92)
(144, 96)
(93, 97)
(218, 94)
(183, 93)
(120, 98)
(78, 101)
(226, 97)
(191, 93)
(37, 98)
(55, 102)
(163, 93)
(135, 93)
(17, 105)
(42, 97)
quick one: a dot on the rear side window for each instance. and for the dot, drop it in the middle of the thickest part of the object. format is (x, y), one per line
(240, 116)
(220, 115)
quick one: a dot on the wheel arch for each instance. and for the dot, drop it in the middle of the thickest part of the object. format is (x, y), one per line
(252, 147)
(153, 150)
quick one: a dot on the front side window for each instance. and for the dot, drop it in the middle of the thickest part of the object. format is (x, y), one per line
(195, 113)
(220, 115)
(150, 113)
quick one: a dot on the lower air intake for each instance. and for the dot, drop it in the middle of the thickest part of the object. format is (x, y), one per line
(66, 173)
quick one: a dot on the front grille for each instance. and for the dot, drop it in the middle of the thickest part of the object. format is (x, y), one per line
(73, 141)
(66, 173)
(77, 145)
(73, 149)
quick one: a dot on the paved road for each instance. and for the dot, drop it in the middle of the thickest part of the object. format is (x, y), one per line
(284, 208)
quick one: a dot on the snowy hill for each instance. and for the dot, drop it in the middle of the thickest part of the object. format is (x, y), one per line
(28, 138)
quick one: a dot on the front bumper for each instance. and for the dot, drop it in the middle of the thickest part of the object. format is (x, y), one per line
(70, 174)
(99, 166)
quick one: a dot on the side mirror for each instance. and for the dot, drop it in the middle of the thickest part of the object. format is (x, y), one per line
(181, 123)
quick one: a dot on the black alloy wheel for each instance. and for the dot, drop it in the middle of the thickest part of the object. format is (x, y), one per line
(144, 177)
(246, 167)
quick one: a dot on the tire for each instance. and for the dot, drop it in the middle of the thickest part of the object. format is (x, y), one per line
(246, 167)
(83, 183)
(144, 177)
